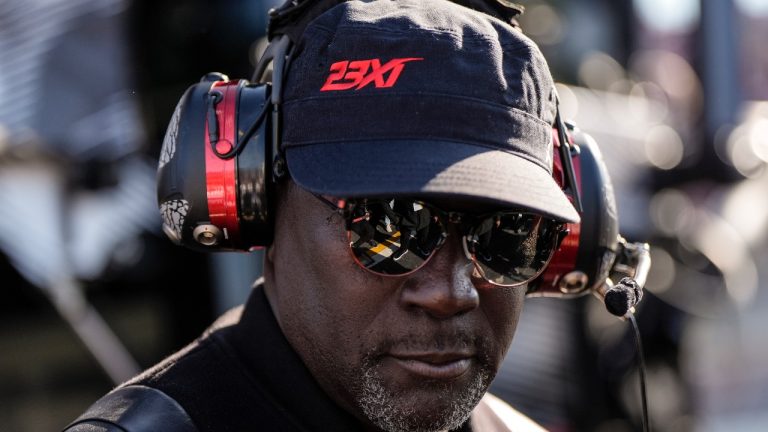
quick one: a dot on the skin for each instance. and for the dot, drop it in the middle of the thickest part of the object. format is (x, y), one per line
(345, 322)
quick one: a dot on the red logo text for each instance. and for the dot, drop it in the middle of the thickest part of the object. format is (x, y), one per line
(347, 74)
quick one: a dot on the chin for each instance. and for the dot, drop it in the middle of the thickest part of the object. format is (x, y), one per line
(433, 406)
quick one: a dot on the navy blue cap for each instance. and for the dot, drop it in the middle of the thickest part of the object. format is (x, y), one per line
(422, 98)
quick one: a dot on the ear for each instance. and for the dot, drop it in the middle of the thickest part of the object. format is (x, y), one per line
(282, 191)
(269, 256)
(269, 281)
(269, 272)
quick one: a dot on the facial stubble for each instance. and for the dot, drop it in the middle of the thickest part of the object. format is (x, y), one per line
(392, 410)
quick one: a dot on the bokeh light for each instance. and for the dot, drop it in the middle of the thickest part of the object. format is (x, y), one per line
(747, 211)
(672, 73)
(543, 23)
(671, 211)
(569, 103)
(723, 245)
(669, 16)
(648, 101)
(740, 152)
(663, 147)
(755, 8)
(662, 273)
(599, 71)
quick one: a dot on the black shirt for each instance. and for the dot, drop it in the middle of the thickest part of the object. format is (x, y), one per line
(242, 375)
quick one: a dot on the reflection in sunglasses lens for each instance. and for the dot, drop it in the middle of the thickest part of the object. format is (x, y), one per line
(393, 236)
(512, 248)
(398, 236)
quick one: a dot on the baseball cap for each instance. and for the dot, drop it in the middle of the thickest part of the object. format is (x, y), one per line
(421, 98)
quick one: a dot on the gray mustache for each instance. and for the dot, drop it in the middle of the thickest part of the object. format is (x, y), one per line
(434, 343)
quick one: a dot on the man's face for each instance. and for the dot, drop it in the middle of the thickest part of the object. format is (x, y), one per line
(413, 352)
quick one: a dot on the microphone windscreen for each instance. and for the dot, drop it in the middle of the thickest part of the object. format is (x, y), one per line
(619, 300)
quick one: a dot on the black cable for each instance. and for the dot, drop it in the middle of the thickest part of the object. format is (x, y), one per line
(244, 139)
(565, 156)
(641, 361)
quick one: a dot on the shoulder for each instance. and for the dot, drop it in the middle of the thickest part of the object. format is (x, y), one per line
(181, 384)
(133, 408)
(493, 414)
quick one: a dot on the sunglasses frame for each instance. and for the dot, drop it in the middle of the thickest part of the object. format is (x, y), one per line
(342, 208)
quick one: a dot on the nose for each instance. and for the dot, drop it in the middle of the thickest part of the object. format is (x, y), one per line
(444, 287)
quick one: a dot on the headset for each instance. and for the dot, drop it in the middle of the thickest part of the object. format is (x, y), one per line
(221, 159)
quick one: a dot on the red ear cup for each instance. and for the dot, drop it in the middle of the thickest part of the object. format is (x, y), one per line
(587, 253)
(211, 190)
(221, 172)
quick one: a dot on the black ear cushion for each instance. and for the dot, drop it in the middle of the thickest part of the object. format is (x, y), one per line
(255, 186)
(599, 223)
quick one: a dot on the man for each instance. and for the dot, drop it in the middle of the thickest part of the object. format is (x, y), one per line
(458, 124)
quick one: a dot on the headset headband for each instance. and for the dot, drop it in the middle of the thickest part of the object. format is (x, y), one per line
(294, 15)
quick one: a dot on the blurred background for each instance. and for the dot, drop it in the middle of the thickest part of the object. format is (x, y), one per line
(675, 93)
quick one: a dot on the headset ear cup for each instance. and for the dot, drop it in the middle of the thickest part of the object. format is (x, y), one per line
(598, 241)
(209, 202)
(587, 253)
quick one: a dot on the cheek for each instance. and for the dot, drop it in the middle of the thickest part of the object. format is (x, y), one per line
(299, 260)
(321, 300)
(502, 308)
(328, 308)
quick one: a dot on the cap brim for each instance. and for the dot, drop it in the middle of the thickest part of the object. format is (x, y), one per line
(375, 169)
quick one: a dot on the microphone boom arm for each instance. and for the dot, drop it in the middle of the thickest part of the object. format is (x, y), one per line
(633, 261)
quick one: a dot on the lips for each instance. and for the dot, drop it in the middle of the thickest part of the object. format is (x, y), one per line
(434, 365)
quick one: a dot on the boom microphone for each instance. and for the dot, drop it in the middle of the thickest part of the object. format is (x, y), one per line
(620, 299)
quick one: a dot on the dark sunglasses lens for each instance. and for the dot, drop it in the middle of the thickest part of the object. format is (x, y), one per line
(513, 248)
(393, 237)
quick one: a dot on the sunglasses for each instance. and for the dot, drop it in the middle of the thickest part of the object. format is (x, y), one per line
(396, 237)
